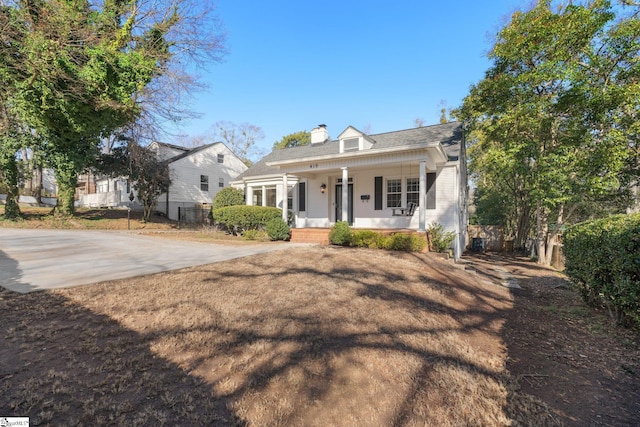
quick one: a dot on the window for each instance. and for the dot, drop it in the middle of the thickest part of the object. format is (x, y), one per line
(221, 183)
(413, 190)
(204, 183)
(351, 144)
(220, 158)
(257, 197)
(271, 197)
(394, 193)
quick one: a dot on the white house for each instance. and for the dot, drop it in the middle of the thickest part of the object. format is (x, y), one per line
(197, 174)
(405, 179)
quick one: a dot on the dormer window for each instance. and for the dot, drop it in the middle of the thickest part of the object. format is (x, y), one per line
(352, 144)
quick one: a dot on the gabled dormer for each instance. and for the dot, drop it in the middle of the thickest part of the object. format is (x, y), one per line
(351, 140)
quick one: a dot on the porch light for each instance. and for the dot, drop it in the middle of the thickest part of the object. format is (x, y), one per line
(323, 188)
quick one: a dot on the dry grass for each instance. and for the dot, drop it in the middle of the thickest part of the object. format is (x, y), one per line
(316, 336)
(85, 218)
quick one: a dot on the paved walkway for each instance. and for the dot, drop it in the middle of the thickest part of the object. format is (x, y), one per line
(32, 260)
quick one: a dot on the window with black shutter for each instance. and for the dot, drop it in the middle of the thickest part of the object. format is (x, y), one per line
(377, 197)
(431, 191)
(302, 196)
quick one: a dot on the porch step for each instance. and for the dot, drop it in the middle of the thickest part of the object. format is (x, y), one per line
(310, 235)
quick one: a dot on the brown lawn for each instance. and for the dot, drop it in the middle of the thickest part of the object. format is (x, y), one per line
(319, 336)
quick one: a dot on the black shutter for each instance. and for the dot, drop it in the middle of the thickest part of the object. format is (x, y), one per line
(302, 196)
(431, 191)
(377, 197)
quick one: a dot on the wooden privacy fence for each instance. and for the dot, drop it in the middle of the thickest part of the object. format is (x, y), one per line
(492, 237)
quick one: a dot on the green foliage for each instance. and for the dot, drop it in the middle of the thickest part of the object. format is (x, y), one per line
(553, 126)
(278, 229)
(293, 140)
(603, 260)
(403, 242)
(365, 239)
(440, 239)
(228, 196)
(257, 235)
(240, 218)
(340, 234)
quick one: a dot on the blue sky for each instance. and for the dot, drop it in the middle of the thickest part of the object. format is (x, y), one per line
(375, 65)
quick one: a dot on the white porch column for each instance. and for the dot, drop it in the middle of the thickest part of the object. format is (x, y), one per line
(285, 197)
(423, 197)
(345, 194)
(264, 195)
(248, 195)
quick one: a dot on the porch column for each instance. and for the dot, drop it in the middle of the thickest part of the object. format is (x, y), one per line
(264, 195)
(345, 194)
(423, 197)
(248, 195)
(285, 197)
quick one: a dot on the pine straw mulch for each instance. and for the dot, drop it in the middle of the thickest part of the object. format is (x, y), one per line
(307, 336)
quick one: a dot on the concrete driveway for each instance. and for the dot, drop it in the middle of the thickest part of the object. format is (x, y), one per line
(32, 260)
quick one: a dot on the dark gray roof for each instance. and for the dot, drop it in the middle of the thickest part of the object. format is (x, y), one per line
(189, 152)
(450, 136)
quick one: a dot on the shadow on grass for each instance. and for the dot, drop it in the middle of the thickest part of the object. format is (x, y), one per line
(62, 364)
(301, 337)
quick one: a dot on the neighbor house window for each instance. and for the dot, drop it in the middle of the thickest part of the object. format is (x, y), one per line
(394, 193)
(220, 158)
(221, 183)
(204, 183)
(413, 190)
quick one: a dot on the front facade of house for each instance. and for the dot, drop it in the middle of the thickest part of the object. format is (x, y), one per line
(197, 175)
(385, 174)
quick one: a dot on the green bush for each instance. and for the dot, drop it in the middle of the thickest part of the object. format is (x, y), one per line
(228, 196)
(403, 242)
(440, 240)
(364, 239)
(340, 234)
(259, 235)
(278, 229)
(602, 258)
(239, 219)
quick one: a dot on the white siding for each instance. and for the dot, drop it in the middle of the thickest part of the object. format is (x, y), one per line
(185, 178)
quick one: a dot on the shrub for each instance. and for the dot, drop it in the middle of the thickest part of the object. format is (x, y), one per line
(403, 242)
(603, 260)
(365, 239)
(278, 229)
(340, 234)
(259, 235)
(228, 196)
(238, 219)
(440, 240)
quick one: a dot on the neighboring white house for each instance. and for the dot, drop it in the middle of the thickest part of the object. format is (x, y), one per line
(197, 175)
(385, 174)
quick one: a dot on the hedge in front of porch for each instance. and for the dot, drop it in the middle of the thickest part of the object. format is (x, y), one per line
(342, 235)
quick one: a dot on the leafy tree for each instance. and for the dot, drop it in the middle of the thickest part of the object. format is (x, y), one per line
(295, 139)
(79, 71)
(555, 119)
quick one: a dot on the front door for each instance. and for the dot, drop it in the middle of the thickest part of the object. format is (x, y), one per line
(338, 204)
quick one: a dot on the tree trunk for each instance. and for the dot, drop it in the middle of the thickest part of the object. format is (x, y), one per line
(542, 228)
(67, 179)
(9, 173)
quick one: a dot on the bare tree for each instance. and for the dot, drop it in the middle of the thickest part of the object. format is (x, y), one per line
(240, 138)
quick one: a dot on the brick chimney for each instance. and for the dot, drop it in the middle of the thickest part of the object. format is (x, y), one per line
(319, 134)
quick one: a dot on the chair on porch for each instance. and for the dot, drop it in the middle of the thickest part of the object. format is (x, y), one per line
(408, 211)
